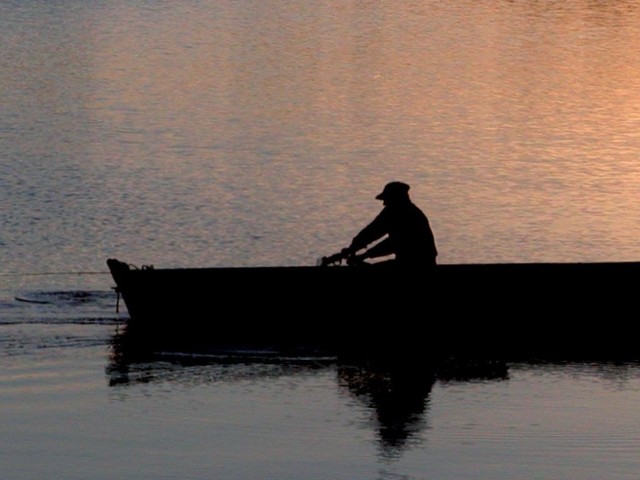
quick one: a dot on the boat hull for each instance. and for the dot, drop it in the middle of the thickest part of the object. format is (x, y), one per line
(507, 311)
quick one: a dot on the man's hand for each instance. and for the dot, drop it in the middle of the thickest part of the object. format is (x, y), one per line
(347, 252)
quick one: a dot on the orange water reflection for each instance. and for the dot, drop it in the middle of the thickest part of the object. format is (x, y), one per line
(514, 122)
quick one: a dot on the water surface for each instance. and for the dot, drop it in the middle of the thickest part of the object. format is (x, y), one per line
(258, 133)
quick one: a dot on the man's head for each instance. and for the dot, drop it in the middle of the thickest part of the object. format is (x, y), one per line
(394, 191)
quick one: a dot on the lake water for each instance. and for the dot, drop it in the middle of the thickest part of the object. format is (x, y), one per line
(258, 133)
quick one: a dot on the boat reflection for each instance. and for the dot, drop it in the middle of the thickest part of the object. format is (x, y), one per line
(395, 393)
(140, 359)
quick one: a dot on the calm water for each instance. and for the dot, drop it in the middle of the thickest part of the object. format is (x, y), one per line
(257, 133)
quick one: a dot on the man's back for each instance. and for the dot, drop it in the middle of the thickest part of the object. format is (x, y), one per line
(409, 231)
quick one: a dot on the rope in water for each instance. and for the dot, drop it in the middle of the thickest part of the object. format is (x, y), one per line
(34, 274)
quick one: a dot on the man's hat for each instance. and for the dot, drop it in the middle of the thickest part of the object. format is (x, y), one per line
(393, 190)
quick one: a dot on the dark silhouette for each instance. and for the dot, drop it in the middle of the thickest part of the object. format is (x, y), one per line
(406, 228)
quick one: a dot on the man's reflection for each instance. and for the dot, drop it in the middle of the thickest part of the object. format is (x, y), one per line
(397, 396)
(398, 393)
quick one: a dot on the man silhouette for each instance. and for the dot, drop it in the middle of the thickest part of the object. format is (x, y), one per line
(406, 228)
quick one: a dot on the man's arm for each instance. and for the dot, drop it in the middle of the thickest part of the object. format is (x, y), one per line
(369, 234)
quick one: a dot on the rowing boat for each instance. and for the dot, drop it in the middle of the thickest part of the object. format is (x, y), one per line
(508, 311)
